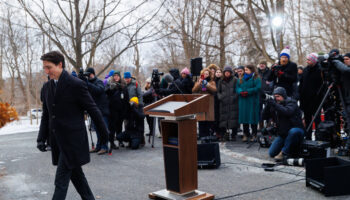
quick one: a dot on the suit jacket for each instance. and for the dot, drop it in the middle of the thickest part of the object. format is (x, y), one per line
(63, 119)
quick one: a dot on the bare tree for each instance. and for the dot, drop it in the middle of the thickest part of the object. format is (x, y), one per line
(87, 28)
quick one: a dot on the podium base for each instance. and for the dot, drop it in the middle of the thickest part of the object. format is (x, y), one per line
(167, 195)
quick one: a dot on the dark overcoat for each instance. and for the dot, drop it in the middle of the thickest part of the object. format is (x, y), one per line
(63, 119)
(228, 98)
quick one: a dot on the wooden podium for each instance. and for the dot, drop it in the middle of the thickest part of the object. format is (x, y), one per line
(179, 135)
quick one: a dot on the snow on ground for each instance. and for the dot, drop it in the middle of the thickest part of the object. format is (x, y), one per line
(20, 126)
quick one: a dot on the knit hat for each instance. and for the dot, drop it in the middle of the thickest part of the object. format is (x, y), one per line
(228, 68)
(285, 52)
(312, 57)
(185, 71)
(116, 72)
(127, 75)
(280, 91)
(135, 100)
(90, 70)
(148, 80)
(347, 55)
(240, 67)
(111, 73)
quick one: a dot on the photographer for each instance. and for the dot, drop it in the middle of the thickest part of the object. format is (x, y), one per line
(134, 125)
(289, 127)
(97, 91)
(309, 91)
(344, 69)
(284, 74)
(174, 84)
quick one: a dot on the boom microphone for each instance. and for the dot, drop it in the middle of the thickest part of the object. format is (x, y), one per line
(168, 78)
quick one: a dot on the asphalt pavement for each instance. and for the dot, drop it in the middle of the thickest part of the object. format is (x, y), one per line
(27, 174)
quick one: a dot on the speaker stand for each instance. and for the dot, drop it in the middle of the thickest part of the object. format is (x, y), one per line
(167, 195)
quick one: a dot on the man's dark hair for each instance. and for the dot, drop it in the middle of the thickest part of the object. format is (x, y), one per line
(54, 57)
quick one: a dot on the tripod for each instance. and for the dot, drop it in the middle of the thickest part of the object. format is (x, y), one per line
(90, 130)
(331, 85)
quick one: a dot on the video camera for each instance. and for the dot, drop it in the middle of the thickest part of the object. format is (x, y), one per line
(330, 72)
(155, 80)
(83, 75)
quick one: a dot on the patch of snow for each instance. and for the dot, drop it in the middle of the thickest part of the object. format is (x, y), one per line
(21, 126)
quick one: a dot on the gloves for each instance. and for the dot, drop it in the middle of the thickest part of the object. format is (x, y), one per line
(204, 82)
(41, 146)
(271, 102)
(280, 73)
(244, 94)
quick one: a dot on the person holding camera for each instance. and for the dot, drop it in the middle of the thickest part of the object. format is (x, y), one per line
(310, 91)
(97, 91)
(286, 116)
(284, 73)
(118, 102)
(134, 125)
(65, 99)
(344, 69)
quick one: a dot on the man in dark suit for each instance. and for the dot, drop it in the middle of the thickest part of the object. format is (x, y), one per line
(65, 98)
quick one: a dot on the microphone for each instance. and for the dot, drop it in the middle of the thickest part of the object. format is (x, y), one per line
(170, 79)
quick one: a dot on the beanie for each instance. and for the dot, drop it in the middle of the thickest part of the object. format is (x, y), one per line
(74, 74)
(90, 70)
(185, 71)
(135, 100)
(312, 57)
(111, 73)
(116, 72)
(148, 80)
(347, 55)
(280, 91)
(228, 68)
(285, 52)
(127, 75)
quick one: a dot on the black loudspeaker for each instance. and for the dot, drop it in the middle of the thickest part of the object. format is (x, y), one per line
(328, 175)
(196, 66)
(208, 156)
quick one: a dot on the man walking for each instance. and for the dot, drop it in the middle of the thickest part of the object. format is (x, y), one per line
(65, 98)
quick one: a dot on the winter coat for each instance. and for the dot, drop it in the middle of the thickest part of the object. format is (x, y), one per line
(134, 90)
(345, 80)
(118, 100)
(63, 119)
(134, 124)
(186, 84)
(286, 115)
(264, 75)
(228, 98)
(287, 79)
(210, 87)
(249, 108)
(97, 91)
(217, 102)
(148, 97)
(309, 88)
(172, 89)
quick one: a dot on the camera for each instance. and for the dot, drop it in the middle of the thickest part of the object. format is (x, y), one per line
(269, 131)
(266, 96)
(83, 75)
(155, 80)
(267, 136)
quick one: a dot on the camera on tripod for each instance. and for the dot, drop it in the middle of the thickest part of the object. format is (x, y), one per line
(155, 80)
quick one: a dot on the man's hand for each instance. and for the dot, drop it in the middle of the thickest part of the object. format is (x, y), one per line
(271, 102)
(41, 146)
(244, 94)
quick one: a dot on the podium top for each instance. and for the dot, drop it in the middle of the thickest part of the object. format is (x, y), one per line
(179, 106)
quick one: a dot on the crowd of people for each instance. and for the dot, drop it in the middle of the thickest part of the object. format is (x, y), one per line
(240, 101)
(246, 95)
